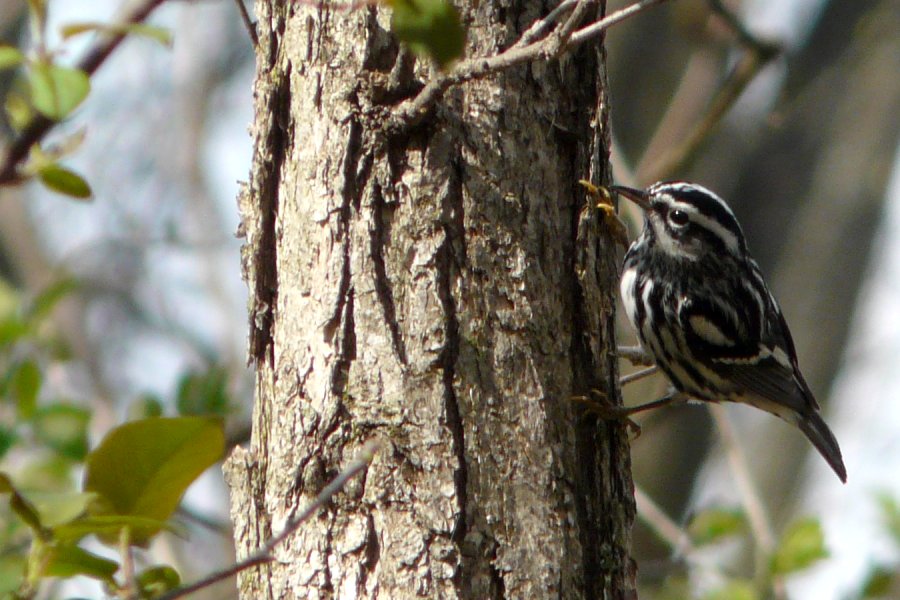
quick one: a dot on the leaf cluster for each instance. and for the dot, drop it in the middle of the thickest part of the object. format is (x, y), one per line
(132, 481)
(46, 89)
(721, 529)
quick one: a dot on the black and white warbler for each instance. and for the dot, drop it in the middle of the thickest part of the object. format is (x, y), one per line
(703, 311)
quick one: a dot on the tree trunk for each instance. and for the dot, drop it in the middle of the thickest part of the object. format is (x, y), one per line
(442, 292)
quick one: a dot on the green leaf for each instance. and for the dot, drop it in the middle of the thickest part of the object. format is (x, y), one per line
(64, 560)
(142, 468)
(24, 386)
(18, 109)
(203, 393)
(48, 473)
(20, 505)
(674, 587)
(158, 580)
(12, 329)
(10, 299)
(63, 427)
(879, 583)
(10, 57)
(57, 91)
(108, 528)
(147, 405)
(12, 573)
(736, 589)
(160, 34)
(58, 508)
(8, 437)
(713, 524)
(890, 514)
(430, 28)
(64, 181)
(802, 545)
(47, 299)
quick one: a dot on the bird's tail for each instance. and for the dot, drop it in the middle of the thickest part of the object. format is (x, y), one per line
(814, 427)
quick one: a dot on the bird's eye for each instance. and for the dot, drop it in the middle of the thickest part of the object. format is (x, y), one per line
(678, 218)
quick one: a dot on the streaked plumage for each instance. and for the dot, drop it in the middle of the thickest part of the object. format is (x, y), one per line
(701, 307)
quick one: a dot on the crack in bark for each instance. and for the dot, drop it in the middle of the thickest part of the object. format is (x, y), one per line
(328, 550)
(446, 265)
(498, 586)
(355, 168)
(371, 551)
(265, 251)
(378, 239)
(341, 369)
(331, 326)
(349, 192)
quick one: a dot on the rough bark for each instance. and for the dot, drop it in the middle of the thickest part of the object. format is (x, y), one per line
(444, 293)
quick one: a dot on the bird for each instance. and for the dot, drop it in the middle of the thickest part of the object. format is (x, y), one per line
(702, 310)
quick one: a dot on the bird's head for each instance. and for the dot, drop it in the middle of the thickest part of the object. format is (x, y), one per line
(686, 220)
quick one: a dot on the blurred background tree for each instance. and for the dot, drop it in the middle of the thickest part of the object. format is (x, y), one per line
(804, 156)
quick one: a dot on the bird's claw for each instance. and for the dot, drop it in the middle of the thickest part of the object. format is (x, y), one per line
(597, 403)
(602, 201)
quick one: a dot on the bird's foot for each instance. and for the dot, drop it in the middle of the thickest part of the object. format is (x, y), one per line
(597, 403)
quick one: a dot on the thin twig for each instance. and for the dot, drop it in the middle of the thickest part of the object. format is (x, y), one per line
(129, 584)
(591, 31)
(217, 526)
(35, 131)
(539, 28)
(760, 525)
(559, 38)
(744, 72)
(744, 35)
(411, 111)
(756, 510)
(637, 375)
(757, 54)
(248, 23)
(264, 553)
(660, 523)
(635, 355)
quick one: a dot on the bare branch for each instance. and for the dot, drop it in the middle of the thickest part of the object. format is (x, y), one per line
(657, 520)
(744, 35)
(591, 31)
(750, 498)
(756, 510)
(540, 28)
(635, 355)
(35, 131)
(637, 375)
(248, 23)
(559, 38)
(264, 553)
(743, 73)
(411, 111)
(757, 53)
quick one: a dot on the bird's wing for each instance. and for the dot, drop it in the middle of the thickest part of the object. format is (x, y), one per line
(758, 359)
(768, 376)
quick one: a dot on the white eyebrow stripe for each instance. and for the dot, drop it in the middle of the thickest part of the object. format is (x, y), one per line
(723, 233)
(683, 186)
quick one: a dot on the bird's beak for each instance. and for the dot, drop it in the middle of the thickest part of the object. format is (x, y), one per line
(639, 197)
